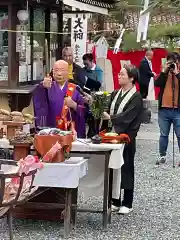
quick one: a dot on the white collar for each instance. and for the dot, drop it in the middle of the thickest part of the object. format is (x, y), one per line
(61, 87)
(147, 59)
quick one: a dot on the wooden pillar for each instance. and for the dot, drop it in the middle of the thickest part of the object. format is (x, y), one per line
(31, 15)
(60, 29)
(47, 35)
(13, 57)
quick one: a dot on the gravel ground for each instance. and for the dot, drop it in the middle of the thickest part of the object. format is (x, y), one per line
(155, 215)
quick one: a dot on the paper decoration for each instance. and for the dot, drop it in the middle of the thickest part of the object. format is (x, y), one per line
(143, 23)
(118, 42)
(123, 63)
(89, 47)
(151, 91)
(102, 47)
(23, 73)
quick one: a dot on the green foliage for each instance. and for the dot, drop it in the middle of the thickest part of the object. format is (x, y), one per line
(162, 33)
(99, 104)
(129, 42)
(165, 34)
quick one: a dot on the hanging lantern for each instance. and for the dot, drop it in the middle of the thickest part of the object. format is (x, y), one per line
(23, 15)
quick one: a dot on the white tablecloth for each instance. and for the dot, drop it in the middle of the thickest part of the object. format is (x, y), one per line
(64, 175)
(116, 160)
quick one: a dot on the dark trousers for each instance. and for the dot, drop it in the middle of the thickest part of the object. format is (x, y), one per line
(127, 200)
(143, 90)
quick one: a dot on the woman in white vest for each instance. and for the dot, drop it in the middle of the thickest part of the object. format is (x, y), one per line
(125, 116)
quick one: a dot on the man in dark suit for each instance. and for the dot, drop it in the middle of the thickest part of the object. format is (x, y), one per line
(146, 73)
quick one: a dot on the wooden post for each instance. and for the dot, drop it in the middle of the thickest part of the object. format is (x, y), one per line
(13, 57)
(47, 36)
(60, 29)
(31, 38)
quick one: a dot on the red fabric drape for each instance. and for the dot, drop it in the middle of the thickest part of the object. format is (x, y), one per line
(135, 57)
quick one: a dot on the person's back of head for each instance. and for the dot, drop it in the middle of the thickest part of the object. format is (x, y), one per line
(88, 60)
(149, 54)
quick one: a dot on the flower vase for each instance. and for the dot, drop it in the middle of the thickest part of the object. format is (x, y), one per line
(94, 125)
(97, 125)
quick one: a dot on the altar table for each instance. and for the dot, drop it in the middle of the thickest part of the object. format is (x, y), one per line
(56, 176)
(109, 151)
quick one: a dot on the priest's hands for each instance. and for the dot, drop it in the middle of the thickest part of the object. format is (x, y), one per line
(70, 103)
(106, 116)
(47, 82)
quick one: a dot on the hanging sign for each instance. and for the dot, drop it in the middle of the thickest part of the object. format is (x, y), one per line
(20, 39)
(79, 38)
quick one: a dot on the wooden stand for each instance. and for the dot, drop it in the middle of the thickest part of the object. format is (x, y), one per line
(51, 204)
(21, 150)
(12, 127)
(146, 112)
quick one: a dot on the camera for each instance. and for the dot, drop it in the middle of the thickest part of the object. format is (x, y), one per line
(172, 65)
(172, 59)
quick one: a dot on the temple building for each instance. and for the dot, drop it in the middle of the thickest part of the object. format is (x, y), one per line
(29, 43)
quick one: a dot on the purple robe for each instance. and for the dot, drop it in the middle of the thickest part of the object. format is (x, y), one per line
(48, 104)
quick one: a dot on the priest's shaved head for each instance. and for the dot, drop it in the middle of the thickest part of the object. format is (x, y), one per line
(67, 54)
(60, 71)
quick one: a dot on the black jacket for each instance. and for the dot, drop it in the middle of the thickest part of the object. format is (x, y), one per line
(161, 83)
(129, 120)
(79, 75)
(145, 72)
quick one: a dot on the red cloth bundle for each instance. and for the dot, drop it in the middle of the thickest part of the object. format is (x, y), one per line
(122, 138)
(52, 152)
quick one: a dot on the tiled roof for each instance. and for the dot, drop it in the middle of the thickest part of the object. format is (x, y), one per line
(100, 3)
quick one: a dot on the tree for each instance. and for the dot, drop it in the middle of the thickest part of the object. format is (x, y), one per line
(166, 34)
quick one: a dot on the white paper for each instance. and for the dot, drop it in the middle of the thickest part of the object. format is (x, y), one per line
(23, 73)
(124, 62)
(26, 128)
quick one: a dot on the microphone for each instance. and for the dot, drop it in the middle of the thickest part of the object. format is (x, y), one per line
(79, 89)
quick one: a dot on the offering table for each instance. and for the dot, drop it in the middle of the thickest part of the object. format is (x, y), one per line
(80, 148)
(55, 177)
(113, 153)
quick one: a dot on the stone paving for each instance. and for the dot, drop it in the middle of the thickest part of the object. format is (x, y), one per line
(156, 214)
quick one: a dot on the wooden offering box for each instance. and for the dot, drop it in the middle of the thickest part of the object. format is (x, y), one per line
(12, 127)
(21, 150)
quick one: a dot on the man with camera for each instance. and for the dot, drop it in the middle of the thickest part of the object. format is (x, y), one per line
(169, 103)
